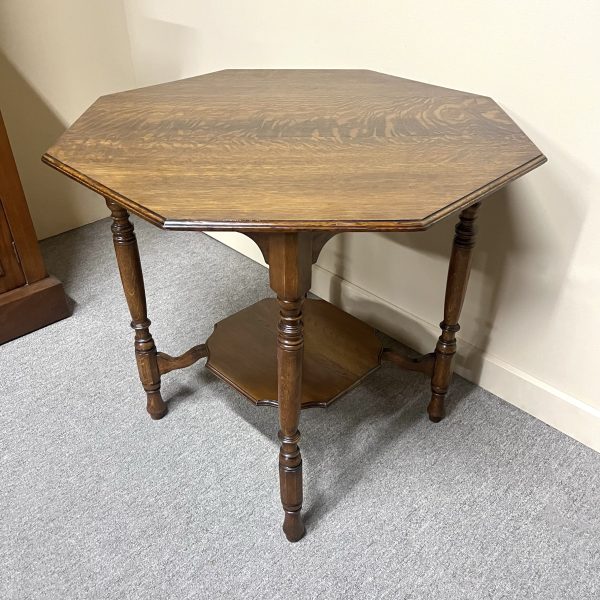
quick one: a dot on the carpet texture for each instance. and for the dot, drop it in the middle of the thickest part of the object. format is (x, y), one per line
(98, 501)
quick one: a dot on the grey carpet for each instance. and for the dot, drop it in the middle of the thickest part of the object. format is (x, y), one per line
(98, 501)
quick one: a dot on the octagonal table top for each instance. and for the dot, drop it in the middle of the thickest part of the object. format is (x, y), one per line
(264, 150)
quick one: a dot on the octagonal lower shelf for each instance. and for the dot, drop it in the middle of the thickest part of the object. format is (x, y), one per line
(339, 351)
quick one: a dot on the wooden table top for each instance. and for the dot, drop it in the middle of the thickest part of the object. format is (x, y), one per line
(264, 150)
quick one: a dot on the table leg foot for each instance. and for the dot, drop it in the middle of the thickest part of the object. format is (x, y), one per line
(157, 408)
(290, 484)
(293, 526)
(435, 409)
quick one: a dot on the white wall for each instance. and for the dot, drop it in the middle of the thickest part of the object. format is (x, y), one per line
(532, 317)
(56, 58)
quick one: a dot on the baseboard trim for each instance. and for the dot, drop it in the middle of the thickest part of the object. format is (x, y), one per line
(552, 406)
(548, 404)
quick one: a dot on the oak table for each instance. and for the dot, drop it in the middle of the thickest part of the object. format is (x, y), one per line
(290, 158)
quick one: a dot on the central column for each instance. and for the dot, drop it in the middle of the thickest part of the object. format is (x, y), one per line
(290, 259)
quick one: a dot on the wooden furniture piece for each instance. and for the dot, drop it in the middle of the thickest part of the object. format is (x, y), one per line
(29, 297)
(291, 158)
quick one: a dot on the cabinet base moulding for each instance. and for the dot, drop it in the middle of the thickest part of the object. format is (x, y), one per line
(32, 307)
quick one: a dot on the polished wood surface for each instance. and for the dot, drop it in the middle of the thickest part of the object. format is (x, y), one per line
(264, 150)
(456, 289)
(151, 364)
(11, 272)
(290, 262)
(29, 297)
(168, 363)
(339, 351)
(422, 364)
(130, 269)
(32, 306)
(14, 206)
(291, 158)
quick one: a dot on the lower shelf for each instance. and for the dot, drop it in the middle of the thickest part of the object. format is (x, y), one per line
(339, 351)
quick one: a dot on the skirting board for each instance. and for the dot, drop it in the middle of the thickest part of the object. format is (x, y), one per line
(552, 406)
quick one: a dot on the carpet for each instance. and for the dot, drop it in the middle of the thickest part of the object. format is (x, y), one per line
(98, 501)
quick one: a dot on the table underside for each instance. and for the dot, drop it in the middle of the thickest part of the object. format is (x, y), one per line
(339, 351)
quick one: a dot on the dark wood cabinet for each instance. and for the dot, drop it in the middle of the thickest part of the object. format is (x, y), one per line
(29, 297)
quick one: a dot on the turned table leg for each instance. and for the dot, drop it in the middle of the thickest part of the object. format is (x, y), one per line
(130, 268)
(290, 258)
(290, 345)
(456, 287)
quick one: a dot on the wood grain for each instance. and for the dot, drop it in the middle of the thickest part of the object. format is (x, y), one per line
(339, 351)
(31, 307)
(29, 297)
(265, 150)
(168, 363)
(291, 158)
(459, 269)
(422, 364)
(17, 213)
(11, 273)
(132, 278)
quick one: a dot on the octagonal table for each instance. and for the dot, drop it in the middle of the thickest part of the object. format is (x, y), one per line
(290, 158)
